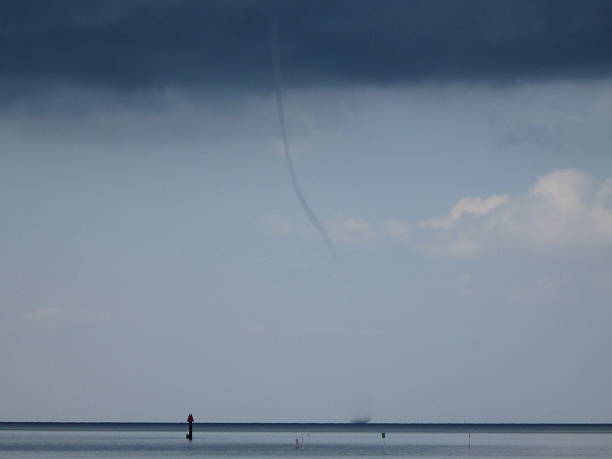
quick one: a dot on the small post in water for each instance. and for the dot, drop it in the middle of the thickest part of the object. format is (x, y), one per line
(189, 436)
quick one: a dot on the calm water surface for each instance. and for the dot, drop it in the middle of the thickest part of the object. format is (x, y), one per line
(74, 444)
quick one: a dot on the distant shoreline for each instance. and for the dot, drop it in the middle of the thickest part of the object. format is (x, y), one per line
(318, 427)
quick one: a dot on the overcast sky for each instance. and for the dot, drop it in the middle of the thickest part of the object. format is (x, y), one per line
(155, 260)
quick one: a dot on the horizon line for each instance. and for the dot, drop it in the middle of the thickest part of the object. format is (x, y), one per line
(318, 427)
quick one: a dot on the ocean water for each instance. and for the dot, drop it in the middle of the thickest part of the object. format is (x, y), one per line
(134, 444)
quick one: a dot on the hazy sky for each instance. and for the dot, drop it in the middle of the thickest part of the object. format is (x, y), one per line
(155, 261)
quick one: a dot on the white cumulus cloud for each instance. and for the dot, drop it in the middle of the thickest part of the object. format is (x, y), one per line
(396, 228)
(563, 208)
(473, 206)
(282, 226)
(350, 229)
(345, 229)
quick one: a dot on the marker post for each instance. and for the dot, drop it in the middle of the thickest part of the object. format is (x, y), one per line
(189, 436)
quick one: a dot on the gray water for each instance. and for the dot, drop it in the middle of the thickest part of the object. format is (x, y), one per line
(73, 444)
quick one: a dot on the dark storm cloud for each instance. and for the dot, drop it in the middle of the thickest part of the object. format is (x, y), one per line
(137, 44)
